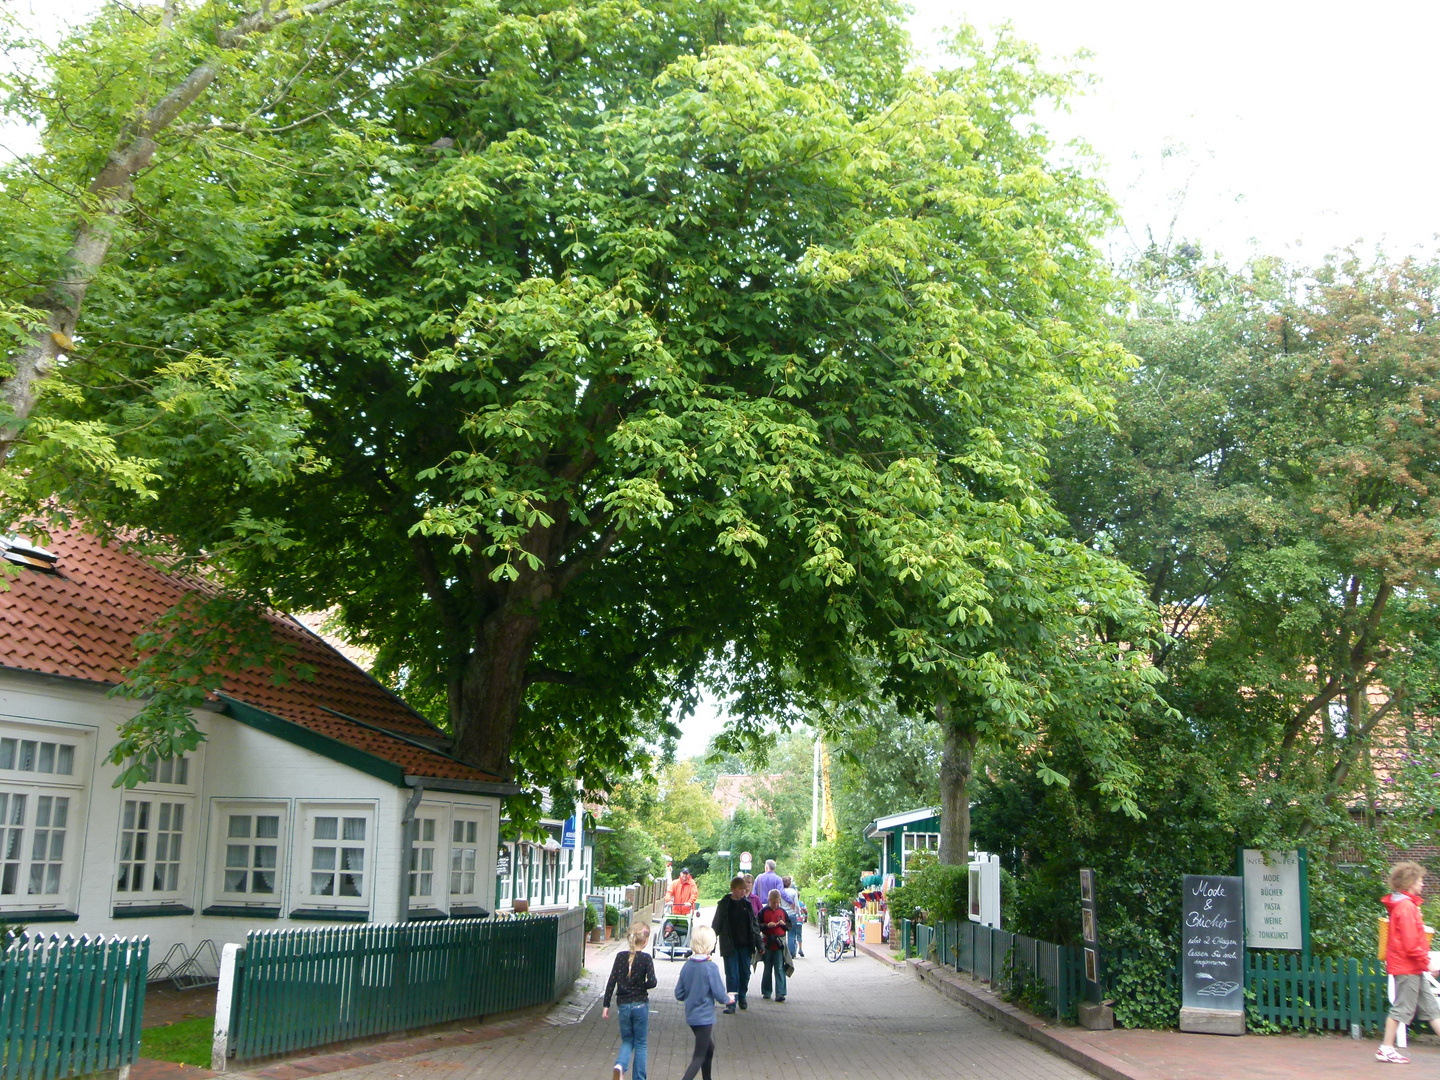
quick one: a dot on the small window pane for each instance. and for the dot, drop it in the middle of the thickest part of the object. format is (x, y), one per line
(349, 884)
(322, 858)
(457, 832)
(470, 832)
(7, 753)
(265, 856)
(235, 881)
(27, 756)
(240, 825)
(166, 772)
(355, 828)
(267, 826)
(326, 828)
(47, 758)
(65, 760)
(182, 770)
(237, 855)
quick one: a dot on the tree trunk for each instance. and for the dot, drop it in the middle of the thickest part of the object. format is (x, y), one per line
(492, 689)
(956, 766)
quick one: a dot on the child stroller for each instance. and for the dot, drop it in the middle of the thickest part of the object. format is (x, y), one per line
(673, 940)
(839, 936)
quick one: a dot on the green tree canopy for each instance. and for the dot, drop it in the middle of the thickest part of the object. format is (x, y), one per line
(632, 347)
(1273, 475)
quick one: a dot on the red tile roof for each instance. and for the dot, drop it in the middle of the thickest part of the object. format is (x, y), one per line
(81, 621)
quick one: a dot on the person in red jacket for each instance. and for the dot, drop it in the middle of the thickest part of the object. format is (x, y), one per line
(1407, 957)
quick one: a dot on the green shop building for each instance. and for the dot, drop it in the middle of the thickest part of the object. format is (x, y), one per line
(900, 835)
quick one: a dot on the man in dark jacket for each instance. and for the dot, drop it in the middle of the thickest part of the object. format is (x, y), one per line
(734, 924)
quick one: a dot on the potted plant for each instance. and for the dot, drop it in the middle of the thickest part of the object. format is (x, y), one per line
(612, 920)
(520, 907)
(592, 924)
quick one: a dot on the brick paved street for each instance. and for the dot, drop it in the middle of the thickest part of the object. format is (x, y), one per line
(855, 1019)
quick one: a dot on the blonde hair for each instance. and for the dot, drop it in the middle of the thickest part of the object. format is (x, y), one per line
(1404, 875)
(702, 941)
(639, 934)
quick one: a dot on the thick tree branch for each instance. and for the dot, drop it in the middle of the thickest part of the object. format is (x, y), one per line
(566, 573)
(110, 194)
(1297, 723)
(1355, 742)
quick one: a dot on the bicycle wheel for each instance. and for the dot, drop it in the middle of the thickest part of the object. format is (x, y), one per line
(834, 945)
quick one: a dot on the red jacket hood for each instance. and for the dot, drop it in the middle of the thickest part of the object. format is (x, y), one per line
(1391, 899)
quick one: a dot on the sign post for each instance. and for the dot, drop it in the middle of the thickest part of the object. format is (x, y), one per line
(1212, 955)
(1094, 1013)
(744, 862)
(1277, 908)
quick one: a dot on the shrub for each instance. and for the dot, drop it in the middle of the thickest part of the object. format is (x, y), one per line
(939, 891)
(591, 921)
(612, 915)
(1145, 990)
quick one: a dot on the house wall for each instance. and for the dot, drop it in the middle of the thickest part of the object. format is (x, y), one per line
(235, 771)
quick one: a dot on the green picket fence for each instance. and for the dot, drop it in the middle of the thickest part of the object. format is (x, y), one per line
(1289, 990)
(70, 1006)
(295, 989)
(1295, 990)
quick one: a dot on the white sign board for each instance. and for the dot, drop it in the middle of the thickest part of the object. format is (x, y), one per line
(744, 860)
(985, 889)
(1272, 900)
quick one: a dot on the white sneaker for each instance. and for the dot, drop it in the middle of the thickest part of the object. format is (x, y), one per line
(1392, 1056)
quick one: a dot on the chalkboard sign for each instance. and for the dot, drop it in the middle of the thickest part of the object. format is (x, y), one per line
(1213, 946)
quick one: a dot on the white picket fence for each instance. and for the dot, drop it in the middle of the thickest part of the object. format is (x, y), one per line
(615, 894)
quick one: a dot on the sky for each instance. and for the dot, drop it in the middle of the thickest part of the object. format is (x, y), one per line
(1259, 127)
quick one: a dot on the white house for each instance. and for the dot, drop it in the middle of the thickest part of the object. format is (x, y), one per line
(317, 801)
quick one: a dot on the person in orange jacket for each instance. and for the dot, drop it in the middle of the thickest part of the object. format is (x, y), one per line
(683, 894)
(1407, 958)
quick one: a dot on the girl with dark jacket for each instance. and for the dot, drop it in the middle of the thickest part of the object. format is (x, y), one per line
(632, 977)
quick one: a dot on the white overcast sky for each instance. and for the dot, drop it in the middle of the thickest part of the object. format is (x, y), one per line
(1291, 128)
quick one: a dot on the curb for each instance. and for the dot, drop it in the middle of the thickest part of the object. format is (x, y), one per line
(1056, 1040)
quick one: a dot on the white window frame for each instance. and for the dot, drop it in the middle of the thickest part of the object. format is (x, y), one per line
(221, 811)
(20, 827)
(305, 845)
(35, 785)
(438, 850)
(189, 835)
(465, 818)
(910, 843)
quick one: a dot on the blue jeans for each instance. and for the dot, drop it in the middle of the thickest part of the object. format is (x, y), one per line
(634, 1027)
(793, 939)
(774, 973)
(737, 973)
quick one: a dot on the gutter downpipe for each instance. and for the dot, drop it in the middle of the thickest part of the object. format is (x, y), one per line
(407, 844)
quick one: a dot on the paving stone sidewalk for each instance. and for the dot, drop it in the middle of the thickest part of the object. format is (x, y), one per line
(855, 1019)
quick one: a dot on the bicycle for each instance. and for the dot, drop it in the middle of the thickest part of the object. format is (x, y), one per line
(839, 938)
